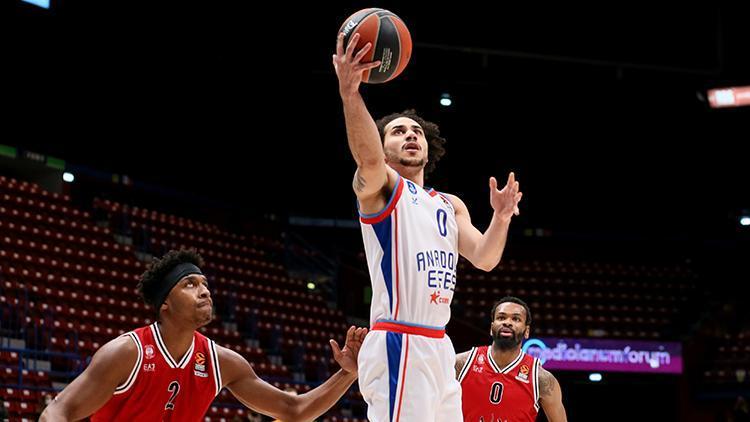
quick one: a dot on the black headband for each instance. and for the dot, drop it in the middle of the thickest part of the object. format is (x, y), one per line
(169, 280)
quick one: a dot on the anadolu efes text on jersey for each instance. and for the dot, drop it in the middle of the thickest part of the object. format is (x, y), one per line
(412, 254)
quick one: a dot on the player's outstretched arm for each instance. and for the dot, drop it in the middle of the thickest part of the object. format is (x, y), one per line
(484, 250)
(110, 367)
(361, 131)
(262, 397)
(550, 397)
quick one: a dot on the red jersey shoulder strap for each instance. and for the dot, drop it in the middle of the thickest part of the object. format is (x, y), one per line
(213, 357)
(134, 372)
(535, 381)
(465, 368)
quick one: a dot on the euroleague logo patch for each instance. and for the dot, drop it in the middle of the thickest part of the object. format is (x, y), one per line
(523, 374)
(200, 358)
(200, 365)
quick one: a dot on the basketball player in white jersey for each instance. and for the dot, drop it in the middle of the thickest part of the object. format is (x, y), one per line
(412, 237)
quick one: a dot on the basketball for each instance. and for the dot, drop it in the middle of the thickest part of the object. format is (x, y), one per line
(391, 42)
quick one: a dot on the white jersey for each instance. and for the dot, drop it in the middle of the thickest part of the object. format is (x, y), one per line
(412, 255)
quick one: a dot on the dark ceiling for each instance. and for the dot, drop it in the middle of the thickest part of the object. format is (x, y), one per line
(599, 111)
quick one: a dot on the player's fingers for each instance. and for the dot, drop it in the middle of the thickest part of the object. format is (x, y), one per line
(350, 335)
(352, 45)
(366, 66)
(361, 333)
(335, 347)
(340, 44)
(361, 53)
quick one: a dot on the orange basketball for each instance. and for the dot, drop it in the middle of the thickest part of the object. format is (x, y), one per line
(391, 42)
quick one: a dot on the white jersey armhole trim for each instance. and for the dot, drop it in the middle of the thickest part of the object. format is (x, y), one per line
(445, 197)
(389, 206)
(217, 369)
(537, 366)
(467, 365)
(134, 372)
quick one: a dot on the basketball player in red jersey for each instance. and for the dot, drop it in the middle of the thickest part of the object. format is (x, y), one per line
(501, 383)
(168, 371)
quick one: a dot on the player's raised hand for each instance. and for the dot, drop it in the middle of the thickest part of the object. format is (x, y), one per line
(348, 65)
(505, 201)
(347, 357)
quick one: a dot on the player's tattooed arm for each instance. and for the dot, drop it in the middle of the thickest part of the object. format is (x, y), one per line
(550, 397)
(547, 382)
(359, 182)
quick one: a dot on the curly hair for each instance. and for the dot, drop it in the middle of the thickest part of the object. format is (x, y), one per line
(431, 132)
(159, 268)
(512, 299)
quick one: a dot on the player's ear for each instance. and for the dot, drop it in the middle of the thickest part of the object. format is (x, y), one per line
(527, 332)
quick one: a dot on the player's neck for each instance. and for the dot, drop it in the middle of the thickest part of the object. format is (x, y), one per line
(177, 338)
(414, 174)
(504, 357)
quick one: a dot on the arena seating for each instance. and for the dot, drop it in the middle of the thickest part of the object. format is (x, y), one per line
(68, 277)
(68, 286)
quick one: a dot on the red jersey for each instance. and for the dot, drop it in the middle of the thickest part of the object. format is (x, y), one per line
(494, 394)
(159, 387)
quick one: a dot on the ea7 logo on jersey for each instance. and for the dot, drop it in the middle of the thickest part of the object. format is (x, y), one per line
(149, 367)
(478, 368)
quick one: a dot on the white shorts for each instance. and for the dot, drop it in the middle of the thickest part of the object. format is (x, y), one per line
(409, 377)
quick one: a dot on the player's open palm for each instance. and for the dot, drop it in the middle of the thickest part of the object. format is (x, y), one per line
(505, 201)
(347, 357)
